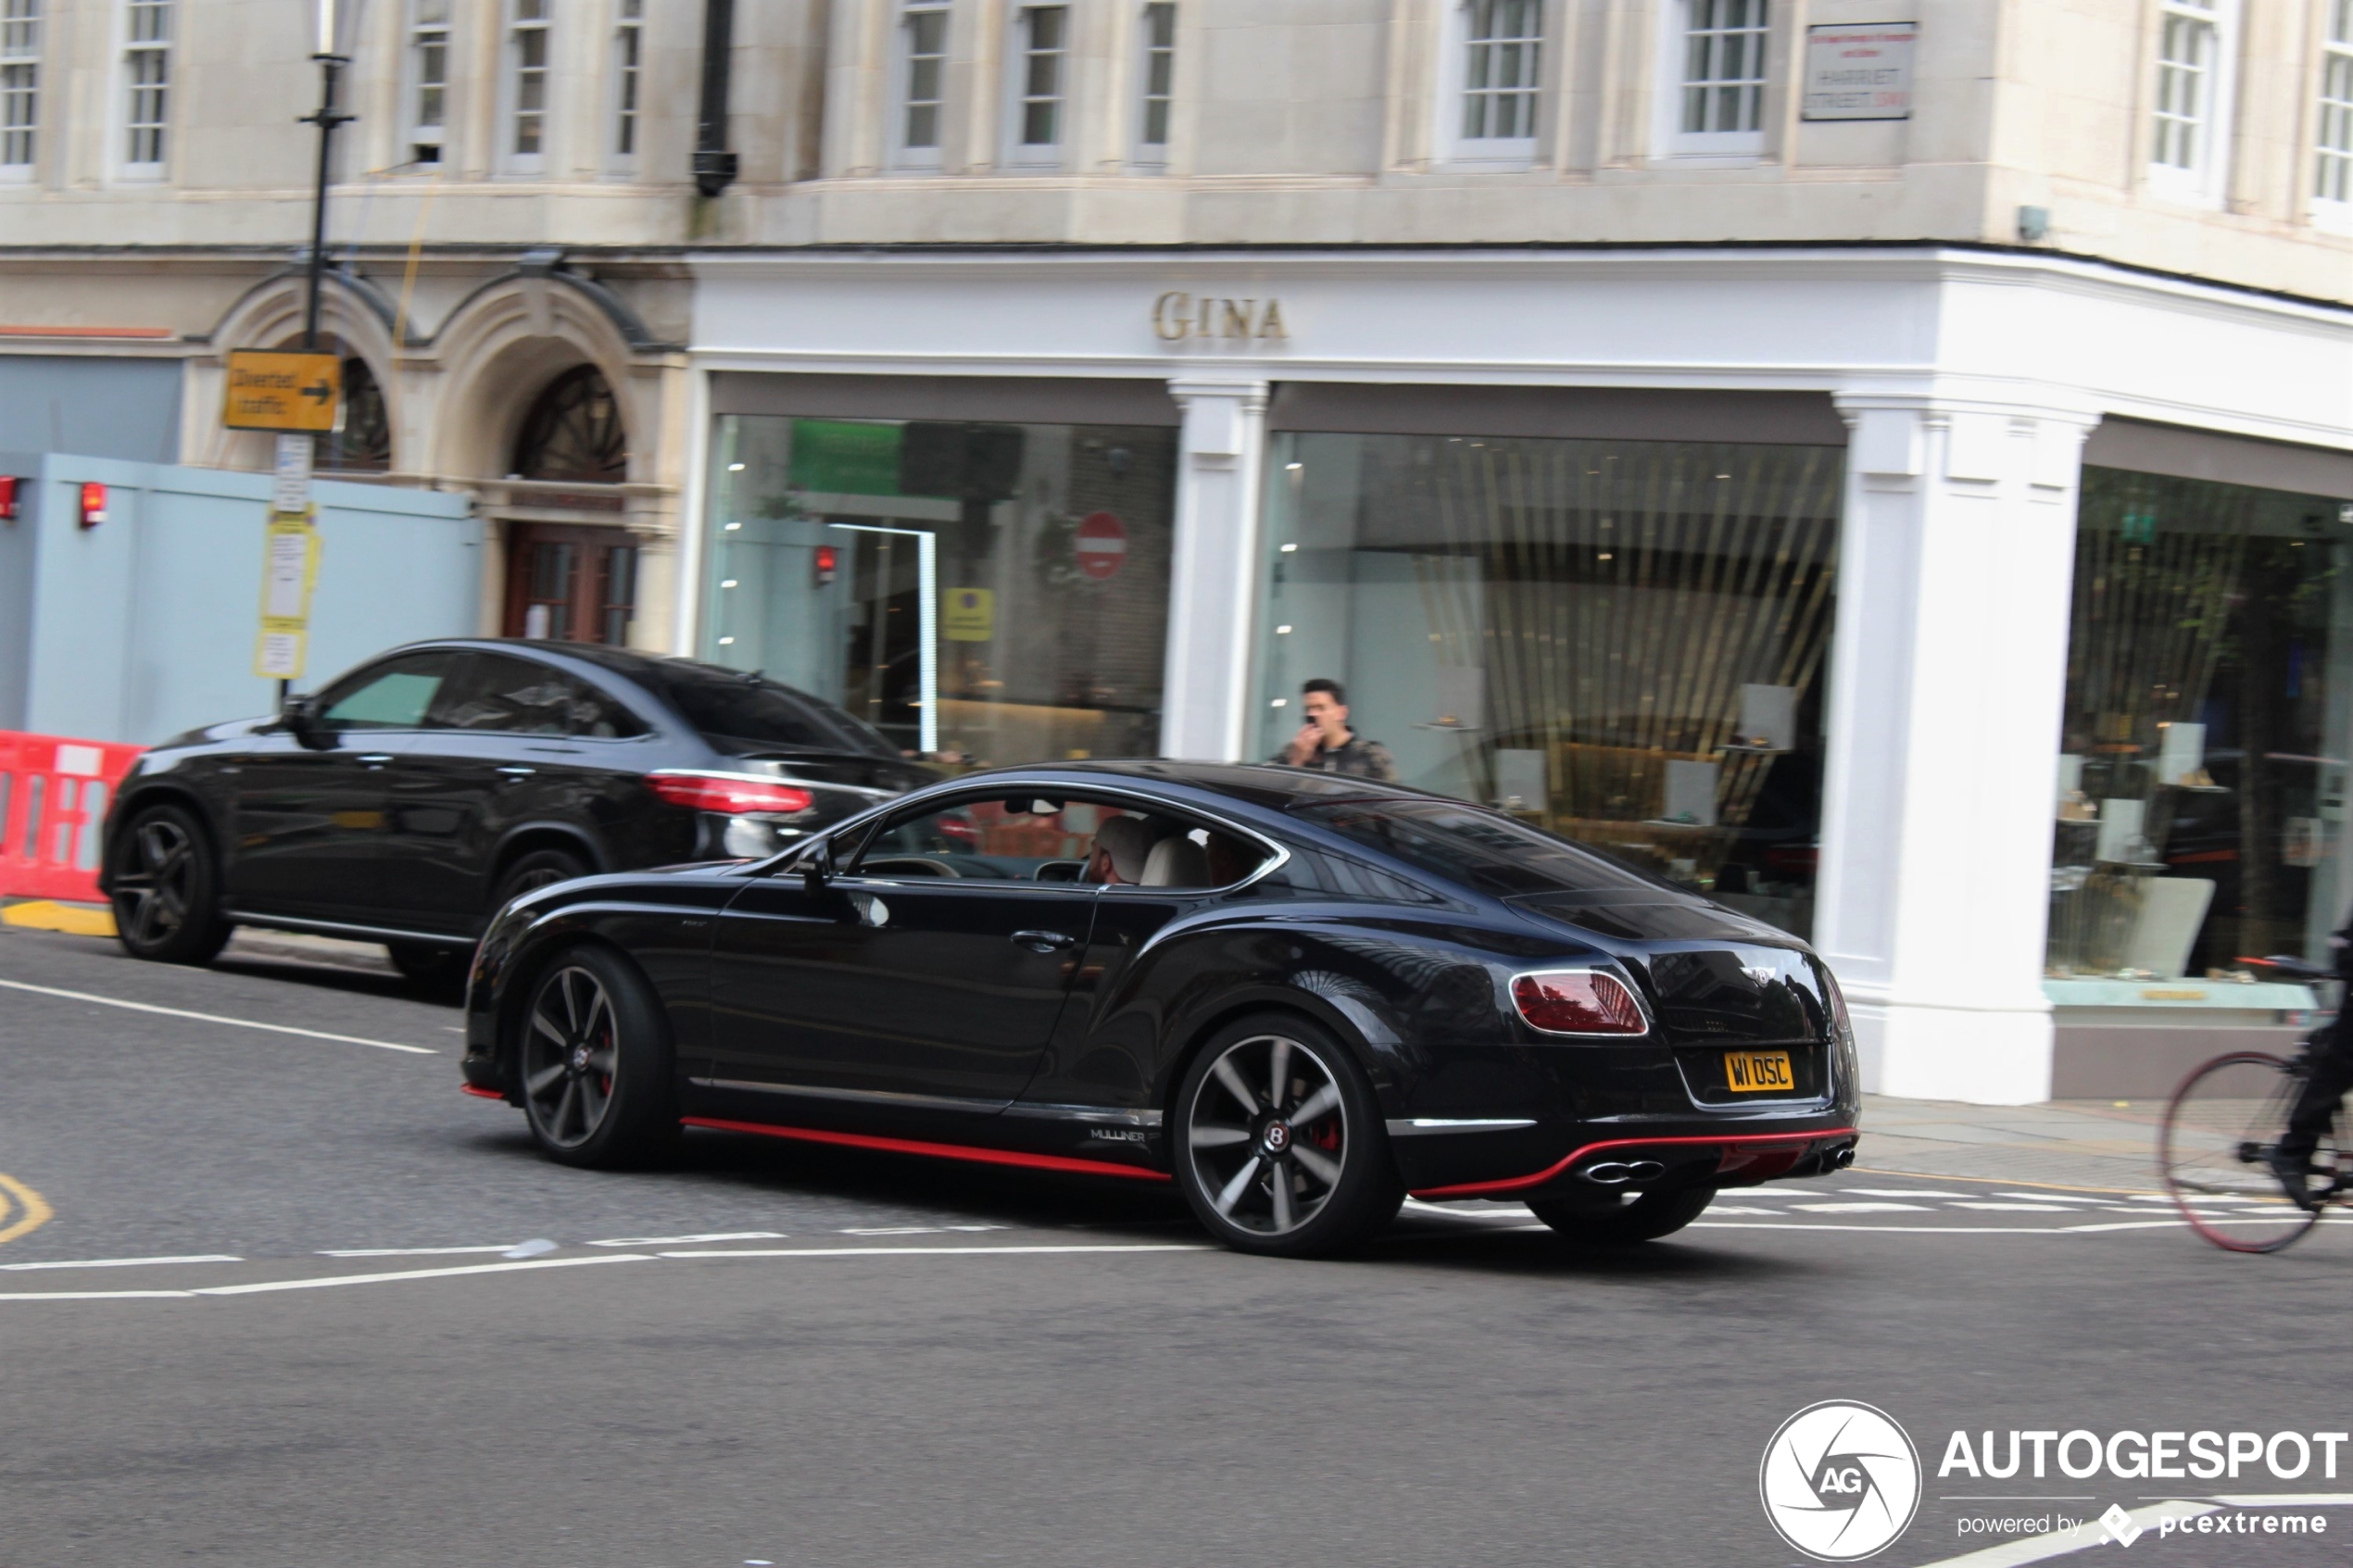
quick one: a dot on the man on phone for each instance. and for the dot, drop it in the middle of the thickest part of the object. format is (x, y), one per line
(1326, 745)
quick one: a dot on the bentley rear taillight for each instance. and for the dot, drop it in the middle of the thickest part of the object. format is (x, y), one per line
(1577, 1001)
(735, 794)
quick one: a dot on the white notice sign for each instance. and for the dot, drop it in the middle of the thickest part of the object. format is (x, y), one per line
(284, 599)
(291, 490)
(1859, 71)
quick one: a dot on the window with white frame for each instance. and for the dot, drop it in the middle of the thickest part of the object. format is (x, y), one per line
(1503, 41)
(1157, 79)
(1719, 99)
(19, 84)
(923, 78)
(147, 64)
(428, 79)
(527, 50)
(1040, 80)
(2188, 149)
(2333, 177)
(628, 61)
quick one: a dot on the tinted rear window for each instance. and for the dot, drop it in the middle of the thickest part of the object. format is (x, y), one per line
(746, 709)
(1478, 848)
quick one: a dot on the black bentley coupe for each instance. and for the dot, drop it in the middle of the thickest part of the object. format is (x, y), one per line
(1298, 996)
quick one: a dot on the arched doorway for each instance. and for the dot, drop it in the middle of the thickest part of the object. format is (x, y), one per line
(572, 582)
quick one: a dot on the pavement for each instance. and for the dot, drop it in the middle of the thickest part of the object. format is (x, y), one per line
(272, 1292)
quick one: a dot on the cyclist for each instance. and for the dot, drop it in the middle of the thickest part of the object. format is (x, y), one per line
(2328, 1073)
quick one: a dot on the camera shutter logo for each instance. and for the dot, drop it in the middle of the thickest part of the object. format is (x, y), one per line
(1841, 1481)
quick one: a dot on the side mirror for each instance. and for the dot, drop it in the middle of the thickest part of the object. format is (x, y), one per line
(817, 867)
(299, 718)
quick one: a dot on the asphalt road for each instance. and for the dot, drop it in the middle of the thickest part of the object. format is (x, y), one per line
(777, 1354)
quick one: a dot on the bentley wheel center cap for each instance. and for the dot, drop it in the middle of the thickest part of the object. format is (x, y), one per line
(579, 1057)
(1278, 1137)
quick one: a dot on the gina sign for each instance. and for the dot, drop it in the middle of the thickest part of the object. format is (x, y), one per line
(1179, 317)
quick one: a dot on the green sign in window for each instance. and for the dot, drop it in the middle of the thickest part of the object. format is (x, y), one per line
(846, 457)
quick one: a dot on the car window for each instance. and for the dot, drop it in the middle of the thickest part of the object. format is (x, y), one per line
(1047, 838)
(502, 695)
(734, 706)
(391, 696)
(1482, 849)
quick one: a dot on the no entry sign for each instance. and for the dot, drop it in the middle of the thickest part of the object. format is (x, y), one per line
(1102, 543)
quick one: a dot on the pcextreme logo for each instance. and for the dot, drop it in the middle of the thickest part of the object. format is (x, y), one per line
(1841, 1481)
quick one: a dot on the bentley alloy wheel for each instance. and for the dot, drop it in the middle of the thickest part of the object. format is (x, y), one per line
(1281, 1150)
(163, 887)
(570, 1057)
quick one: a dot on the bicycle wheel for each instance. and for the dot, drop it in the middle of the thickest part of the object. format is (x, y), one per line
(2211, 1151)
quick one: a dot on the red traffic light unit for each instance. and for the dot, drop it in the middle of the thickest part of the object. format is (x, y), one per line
(94, 503)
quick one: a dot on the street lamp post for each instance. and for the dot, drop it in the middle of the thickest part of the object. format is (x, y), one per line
(338, 31)
(338, 28)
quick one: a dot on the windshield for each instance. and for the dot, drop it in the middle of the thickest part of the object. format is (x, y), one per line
(745, 708)
(1480, 850)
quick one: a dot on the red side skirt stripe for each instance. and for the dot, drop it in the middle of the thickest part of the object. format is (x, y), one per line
(934, 1150)
(480, 1093)
(1741, 1143)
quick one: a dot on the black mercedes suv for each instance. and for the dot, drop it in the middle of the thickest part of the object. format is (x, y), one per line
(408, 800)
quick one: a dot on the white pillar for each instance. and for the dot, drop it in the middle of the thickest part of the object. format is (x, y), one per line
(1948, 677)
(1213, 567)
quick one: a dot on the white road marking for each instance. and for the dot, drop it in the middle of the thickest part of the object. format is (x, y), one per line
(411, 1251)
(688, 1240)
(1860, 1208)
(1934, 1230)
(2061, 1543)
(939, 1251)
(537, 1247)
(2040, 1196)
(2022, 1208)
(1895, 1192)
(90, 1295)
(215, 1018)
(261, 1285)
(125, 1262)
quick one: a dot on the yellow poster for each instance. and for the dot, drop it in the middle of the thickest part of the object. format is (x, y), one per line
(289, 572)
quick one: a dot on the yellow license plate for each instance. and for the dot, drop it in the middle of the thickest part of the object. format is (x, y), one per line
(1755, 1071)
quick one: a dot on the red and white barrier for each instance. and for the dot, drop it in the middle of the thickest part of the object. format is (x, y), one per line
(53, 803)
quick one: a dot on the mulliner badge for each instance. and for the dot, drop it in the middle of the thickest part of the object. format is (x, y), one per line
(1841, 1481)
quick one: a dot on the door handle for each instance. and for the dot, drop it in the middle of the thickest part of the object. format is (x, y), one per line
(375, 760)
(1043, 941)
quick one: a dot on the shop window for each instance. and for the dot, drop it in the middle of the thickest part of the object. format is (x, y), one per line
(2332, 149)
(428, 79)
(1158, 78)
(1717, 91)
(147, 83)
(572, 433)
(2200, 812)
(923, 73)
(985, 594)
(1499, 54)
(1621, 642)
(2197, 43)
(19, 84)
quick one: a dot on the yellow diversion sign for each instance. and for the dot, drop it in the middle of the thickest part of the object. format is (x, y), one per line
(290, 392)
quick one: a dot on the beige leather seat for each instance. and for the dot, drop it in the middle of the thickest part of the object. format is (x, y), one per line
(1177, 863)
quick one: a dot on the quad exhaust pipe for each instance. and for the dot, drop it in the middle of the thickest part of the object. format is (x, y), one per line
(1618, 1172)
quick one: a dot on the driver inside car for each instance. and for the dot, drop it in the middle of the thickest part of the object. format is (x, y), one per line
(1123, 844)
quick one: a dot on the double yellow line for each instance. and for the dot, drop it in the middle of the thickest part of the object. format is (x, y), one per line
(21, 1208)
